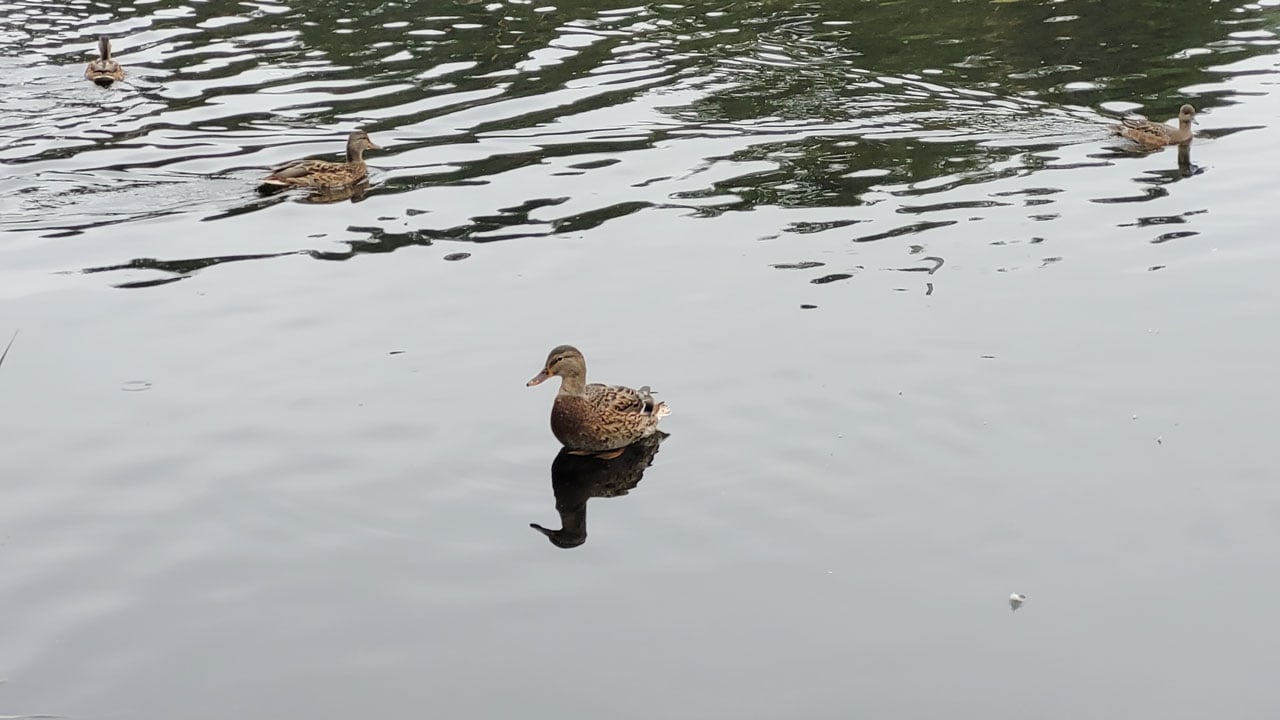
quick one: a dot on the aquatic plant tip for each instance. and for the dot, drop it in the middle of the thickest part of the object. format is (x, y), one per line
(1016, 600)
(5, 354)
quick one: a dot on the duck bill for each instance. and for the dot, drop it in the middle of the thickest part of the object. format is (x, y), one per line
(372, 146)
(539, 378)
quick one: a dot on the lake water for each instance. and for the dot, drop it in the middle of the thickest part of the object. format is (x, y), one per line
(929, 334)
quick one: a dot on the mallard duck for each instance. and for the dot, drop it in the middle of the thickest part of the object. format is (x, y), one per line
(596, 419)
(321, 173)
(1151, 134)
(104, 70)
(575, 479)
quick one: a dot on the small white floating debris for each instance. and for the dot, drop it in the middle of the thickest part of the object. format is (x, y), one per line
(1016, 600)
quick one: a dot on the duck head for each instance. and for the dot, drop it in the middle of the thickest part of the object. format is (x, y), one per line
(357, 143)
(565, 361)
(1186, 115)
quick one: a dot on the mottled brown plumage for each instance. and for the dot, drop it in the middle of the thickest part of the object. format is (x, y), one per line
(596, 418)
(1151, 134)
(104, 70)
(322, 174)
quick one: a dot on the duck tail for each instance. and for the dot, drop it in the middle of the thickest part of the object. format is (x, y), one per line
(650, 407)
(269, 186)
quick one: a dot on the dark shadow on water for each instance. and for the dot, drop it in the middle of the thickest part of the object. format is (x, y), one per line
(174, 270)
(575, 479)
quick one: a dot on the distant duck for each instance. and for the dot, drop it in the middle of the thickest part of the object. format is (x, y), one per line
(321, 174)
(596, 419)
(1151, 134)
(104, 70)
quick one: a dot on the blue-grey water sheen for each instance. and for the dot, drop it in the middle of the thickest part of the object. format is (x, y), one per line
(929, 334)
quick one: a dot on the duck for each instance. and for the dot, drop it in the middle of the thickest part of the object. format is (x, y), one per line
(595, 419)
(104, 70)
(322, 174)
(1151, 134)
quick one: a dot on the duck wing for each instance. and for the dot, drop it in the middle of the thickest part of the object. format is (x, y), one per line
(1147, 126)
(619, 399)
(300, 168)
(104, 67)
(1143, 131)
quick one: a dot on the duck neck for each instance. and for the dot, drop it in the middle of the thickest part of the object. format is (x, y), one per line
(104, 48)
(355, 155)
(574, 384)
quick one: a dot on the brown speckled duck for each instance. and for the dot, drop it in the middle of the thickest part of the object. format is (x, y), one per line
(596, 419)
(104, 70)
(322, 174)
(1150, 134)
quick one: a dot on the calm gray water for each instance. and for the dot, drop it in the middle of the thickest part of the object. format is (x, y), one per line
(268, 458)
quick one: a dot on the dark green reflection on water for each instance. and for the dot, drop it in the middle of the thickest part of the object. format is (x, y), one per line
(825, 61)
(836, 97)
(1131, 50)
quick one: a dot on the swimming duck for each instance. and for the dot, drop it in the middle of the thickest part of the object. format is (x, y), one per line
(596, 419)
(321, 173)
(1150, 134)
(104, 70)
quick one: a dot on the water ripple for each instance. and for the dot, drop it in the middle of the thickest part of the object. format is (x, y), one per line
(790, 106)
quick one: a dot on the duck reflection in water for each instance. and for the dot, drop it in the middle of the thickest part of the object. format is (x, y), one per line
(575, 479)
(323, 196)
(1185, 168)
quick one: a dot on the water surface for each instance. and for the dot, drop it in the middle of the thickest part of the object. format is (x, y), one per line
(930, 335)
